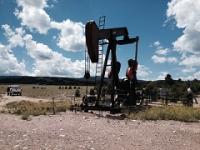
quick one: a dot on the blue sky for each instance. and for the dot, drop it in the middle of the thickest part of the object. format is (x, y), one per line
(46, 37)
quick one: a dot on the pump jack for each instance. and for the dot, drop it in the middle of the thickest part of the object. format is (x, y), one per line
(112, 35)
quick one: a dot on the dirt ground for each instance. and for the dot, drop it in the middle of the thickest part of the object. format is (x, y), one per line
(70, 131)
(86, 131)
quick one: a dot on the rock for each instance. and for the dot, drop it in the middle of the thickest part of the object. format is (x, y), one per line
(62, 135)
(16, 146)
(79, 128)
(82, 146)
(25, 148)
(85, 118)
(122, 116)
(96, 117)
(134, 120)
(121, 134)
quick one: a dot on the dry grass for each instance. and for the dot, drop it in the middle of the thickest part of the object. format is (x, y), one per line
(178, 113)
(47, 91)
(62, 94)
(26, 108)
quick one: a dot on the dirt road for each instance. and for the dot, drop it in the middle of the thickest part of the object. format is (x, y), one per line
(72, 131)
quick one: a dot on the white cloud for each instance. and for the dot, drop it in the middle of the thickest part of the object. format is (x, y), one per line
(188, 42)
(143, 72)
(14, 38)
(59, 66)
(51, 63)
(71, 37)
(33, 15)
(159, 49)
(190, 61)
(162, 76)
(9, 64)
(46, 61)
(162, 51)
(161, 54)
(186, 15)
(36, 3)
(37, 51)
(188, 70)
(156, 43)
(162, 59)
(172, 60)
(158, 59)
(195, 75)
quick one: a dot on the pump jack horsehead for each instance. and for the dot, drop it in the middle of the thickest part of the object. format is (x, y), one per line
(114, 36)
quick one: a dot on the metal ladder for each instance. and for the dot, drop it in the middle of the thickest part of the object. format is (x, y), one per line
(99, 64)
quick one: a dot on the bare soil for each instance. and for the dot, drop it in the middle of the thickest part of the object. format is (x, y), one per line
(86, 131)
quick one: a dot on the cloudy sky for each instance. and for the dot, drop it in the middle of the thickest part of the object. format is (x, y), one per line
(46, 37)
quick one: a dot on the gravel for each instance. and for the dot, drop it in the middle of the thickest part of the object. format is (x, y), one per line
(85, 131)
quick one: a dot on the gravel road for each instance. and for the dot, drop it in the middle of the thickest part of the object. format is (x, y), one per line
(85, 131)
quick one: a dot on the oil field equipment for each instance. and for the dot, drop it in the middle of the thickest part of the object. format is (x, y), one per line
(121, 91)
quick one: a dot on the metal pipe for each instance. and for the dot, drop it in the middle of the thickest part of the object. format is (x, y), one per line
(136, 51)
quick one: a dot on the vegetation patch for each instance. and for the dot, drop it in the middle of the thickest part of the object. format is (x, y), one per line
(178, 113)
(26, 108)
